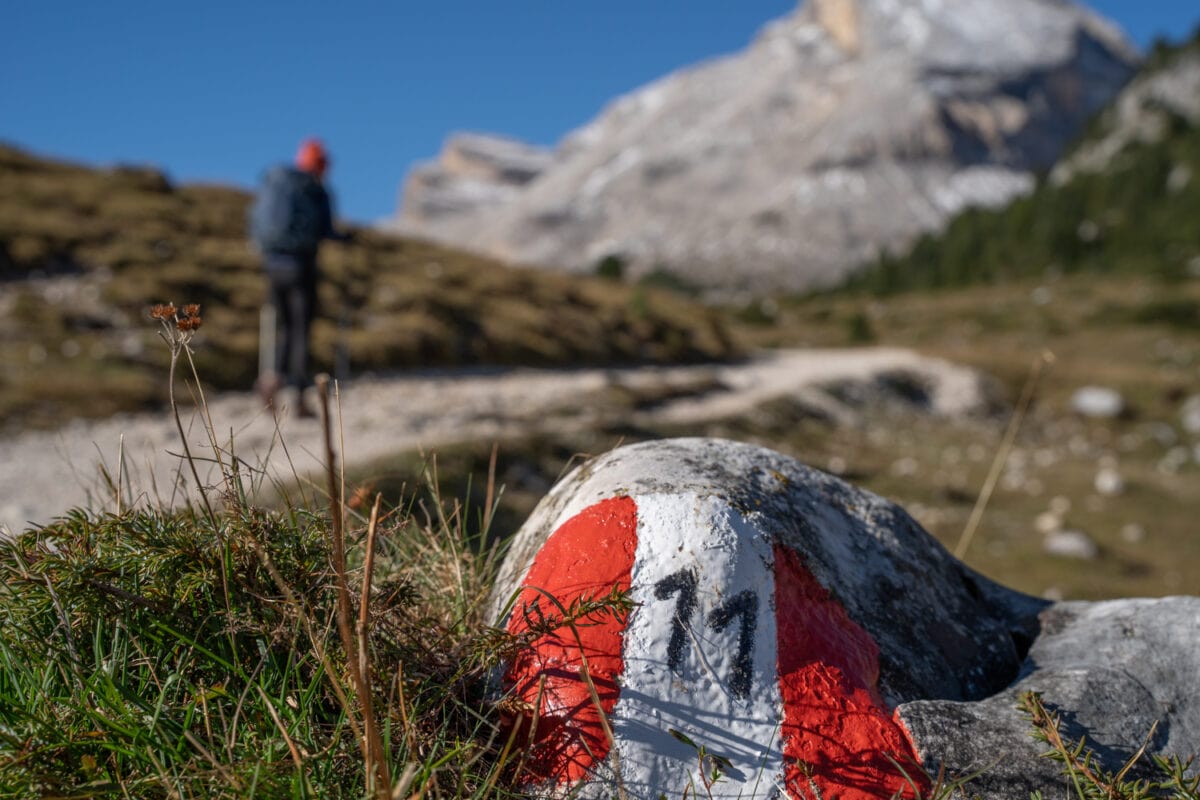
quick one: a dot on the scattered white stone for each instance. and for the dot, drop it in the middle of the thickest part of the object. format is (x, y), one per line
(1060, 505)
(905, 466)
(1165, 434)
(1178, 178)
(1080, 446)
(1042, 295)
(837, 465)
(1133, 533)
(132, 345)
(1013, 480)
(1047, 523)
(1189, 414)
(1109, 482)
(1097, 402)
(1053, 593)
(1174, 460)
(1045, 457)
(1071, 544)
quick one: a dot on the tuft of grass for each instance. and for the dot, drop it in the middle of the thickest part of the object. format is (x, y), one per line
(1087, 780)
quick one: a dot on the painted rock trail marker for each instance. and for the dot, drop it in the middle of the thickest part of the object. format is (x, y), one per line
(741, 668)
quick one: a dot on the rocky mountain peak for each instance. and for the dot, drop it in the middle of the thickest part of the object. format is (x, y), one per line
(840, 19)
(844, 129)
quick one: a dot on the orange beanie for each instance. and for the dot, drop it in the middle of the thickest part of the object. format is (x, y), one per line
(311, 157)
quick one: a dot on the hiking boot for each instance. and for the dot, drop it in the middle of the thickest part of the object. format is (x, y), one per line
(304, 408)
(267, 386)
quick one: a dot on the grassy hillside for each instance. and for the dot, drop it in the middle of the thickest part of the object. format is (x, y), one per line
(1137, 216)
(84, 253)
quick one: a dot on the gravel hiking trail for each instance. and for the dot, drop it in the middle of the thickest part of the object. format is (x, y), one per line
(44, 474)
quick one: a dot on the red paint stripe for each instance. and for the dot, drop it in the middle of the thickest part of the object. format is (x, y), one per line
(836, 732)
(586, 557)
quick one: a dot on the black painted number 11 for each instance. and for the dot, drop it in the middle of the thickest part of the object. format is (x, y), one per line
(743, 606)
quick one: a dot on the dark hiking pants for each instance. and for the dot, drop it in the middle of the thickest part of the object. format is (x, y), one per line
(293, 292)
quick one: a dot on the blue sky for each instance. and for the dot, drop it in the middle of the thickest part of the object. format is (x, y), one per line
(215, 91)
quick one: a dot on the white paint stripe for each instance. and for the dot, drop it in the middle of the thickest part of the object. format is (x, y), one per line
(681, 533)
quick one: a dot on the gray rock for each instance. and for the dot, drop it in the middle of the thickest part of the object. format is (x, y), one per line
(1108, 481)
(1112, 670)
(1071, 544)
(1189, 414)
(1099, 402)
(844, 130)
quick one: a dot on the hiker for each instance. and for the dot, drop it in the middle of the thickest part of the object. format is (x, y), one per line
(291, 215)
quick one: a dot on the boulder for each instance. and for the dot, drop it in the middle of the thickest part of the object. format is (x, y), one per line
(779, 616)
(715, 617)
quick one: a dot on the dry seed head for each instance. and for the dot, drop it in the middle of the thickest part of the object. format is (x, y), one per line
(187, 324)
(361, 496)
(163, 311)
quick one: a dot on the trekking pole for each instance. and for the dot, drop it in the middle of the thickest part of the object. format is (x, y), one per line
(266, 342)
(341, 348)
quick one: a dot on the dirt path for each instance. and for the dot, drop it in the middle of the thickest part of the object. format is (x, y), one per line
(43, 474)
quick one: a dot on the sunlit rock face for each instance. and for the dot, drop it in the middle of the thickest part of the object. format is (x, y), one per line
(843, 130)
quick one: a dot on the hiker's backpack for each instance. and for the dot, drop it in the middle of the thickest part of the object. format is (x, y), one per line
(290, 213)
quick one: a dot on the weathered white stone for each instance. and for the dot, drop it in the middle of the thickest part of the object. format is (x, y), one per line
(1189, 414)
(1071, 544)
(1108, 481)
(1047, 522)
(1133, 533)
(1099, 402)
